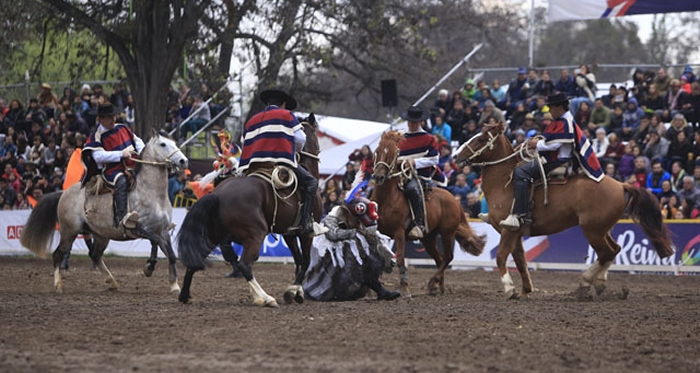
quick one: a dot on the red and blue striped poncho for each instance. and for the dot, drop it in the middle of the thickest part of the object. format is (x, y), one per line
(118, 138)
(422, 147)
(566, 130)
(269, 137)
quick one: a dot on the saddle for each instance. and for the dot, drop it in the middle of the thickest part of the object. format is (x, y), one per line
(97, 185)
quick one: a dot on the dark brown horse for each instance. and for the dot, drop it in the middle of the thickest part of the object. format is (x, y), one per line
(444, 215)
(595, 206)
(245, 210)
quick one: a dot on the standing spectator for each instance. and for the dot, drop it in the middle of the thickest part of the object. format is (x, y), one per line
(585, 87)
(364, 155)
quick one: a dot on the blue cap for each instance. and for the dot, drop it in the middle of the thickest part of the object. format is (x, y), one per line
(687, 69)
(531, 133)
(522, 70)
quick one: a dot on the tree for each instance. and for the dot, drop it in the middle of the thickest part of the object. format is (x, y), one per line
(148, 42)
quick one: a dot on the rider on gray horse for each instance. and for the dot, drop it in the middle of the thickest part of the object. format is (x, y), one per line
(108, 151)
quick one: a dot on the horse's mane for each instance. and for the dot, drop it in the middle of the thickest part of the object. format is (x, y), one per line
(391, 138)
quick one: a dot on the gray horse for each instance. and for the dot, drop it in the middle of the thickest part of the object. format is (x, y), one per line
(82, 210)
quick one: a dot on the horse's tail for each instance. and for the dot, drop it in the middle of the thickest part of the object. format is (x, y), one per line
(193, 243)
(468, 240)
(645, 211)
(41, 225)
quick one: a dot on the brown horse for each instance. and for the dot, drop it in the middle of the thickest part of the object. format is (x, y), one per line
(245, 210)
(595, 206)
(444, 215)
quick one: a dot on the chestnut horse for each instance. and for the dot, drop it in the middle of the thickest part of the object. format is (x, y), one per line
(444, 215)
(595, 206)
(245, 210)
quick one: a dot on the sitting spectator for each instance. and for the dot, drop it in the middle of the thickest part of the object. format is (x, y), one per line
(680, 150)
(657, 176)
(200, 116)
(583, 118)
(689, 191)
(614, 151)
(679, 124)
(441, 128)
(349, 176)
(626, 165)
(669, 207)
(657, 146)
(633, 115)
(176, 184)
(460, 189)
(600, 143)
(611, 172)
(469, 130)
(600, 115)
(473, 206)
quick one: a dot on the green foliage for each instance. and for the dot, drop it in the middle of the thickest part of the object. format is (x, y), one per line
(73, 55)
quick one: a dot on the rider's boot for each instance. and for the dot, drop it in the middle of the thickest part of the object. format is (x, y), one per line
(309, 186)
(517, 218)
(416, 200)
(121, 217)
(382, 292)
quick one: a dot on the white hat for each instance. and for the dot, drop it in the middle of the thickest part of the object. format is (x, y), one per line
(443, 92)
(85, 86)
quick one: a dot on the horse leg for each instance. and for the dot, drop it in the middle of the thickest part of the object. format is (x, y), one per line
(430, 244)
(400, 243)
(508, 242)
(100, 246)
(250, 253)
(302, 258)
(90, 243)
(185, 296)
(59, 255)
(448, 244)
(597, 274)
(167, 247)
(521, 263)
(230, 257)
(152, 260)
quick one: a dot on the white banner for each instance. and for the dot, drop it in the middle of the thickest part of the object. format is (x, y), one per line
(566, 10)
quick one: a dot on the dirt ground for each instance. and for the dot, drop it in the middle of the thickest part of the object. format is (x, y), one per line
(143, 328)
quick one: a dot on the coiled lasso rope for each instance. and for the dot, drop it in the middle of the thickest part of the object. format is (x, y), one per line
(276, 183)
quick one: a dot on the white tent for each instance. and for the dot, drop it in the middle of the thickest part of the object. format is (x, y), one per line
(354, 133)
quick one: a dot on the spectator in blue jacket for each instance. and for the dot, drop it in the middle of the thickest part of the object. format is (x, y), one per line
(441, 128)
(633, 115)
(656, 177)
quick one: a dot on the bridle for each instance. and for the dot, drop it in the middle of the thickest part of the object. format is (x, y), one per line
(405, 166)
(166, 163)
(521, 151)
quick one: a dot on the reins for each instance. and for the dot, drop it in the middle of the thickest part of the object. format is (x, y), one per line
(165, 163)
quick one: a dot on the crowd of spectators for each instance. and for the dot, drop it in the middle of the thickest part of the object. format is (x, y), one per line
(38, 139)
(647, 134)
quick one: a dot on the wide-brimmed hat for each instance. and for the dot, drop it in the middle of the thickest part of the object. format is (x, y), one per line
(271, 94)
(557, 99)
(415, 114)
(107, 110)
(46, 85)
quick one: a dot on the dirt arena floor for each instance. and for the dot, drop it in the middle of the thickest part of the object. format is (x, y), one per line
(143, 328)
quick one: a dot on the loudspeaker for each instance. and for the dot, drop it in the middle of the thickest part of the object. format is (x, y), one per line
(390, 97)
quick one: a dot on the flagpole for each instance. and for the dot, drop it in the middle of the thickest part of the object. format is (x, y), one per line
(531, 43)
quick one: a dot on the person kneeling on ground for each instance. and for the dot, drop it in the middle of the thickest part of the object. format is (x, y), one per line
(348, 260)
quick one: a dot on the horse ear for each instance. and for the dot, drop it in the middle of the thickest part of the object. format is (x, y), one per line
(154, 132)
(312, 120)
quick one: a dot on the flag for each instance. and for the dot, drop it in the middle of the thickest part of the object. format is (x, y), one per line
(566, 10)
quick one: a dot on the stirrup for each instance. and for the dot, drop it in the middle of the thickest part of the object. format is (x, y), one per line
(511, 223)
(415, 233)
(484, 216)
(130, 220)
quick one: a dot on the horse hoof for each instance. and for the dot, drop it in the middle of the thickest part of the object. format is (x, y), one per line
(175, 288)
(184, 299)
(289, 296)
(514, 296)
(583, 293)
(299, 297)
(272, 304)
(148, 271)
(625, 293)
(599, 288)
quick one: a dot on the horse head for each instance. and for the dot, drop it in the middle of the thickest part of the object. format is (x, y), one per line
(310, 126)
(386, 155)
(478, 148)
(161, 149)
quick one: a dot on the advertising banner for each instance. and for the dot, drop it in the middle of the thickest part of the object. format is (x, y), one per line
(565, 10)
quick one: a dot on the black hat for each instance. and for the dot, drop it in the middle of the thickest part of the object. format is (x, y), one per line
(415, 114)
(106, 110)
(557, 99)
(271, 94)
